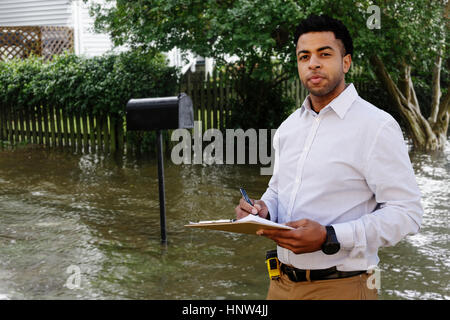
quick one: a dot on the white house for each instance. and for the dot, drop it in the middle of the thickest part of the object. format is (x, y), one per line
(75, 14)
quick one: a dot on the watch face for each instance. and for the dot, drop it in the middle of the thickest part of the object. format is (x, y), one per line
(331, 248)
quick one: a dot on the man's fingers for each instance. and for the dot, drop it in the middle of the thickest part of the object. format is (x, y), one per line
(295, 249)
(240, 213)
(298, 223)
(278, 234)
(247, 207)
(283, 239)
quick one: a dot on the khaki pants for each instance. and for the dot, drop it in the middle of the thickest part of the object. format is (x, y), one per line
(352, 288)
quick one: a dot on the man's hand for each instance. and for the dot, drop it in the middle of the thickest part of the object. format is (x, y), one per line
(244, 209)
(308, 236)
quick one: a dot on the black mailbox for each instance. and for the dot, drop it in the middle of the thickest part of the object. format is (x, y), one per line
(160, 113)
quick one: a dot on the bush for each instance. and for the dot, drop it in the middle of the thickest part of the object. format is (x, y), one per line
(98, 85)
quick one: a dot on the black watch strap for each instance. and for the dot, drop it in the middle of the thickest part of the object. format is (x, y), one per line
(331, 244)
(331, 234)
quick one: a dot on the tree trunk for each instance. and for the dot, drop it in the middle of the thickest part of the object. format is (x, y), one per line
(426, 134)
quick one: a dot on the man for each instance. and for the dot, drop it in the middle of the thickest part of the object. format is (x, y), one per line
(342, 178)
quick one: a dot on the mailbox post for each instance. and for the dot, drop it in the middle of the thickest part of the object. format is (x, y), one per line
(159, 114)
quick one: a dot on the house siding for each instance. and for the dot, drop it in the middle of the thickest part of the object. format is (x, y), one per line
(90, 43)
(35, 12)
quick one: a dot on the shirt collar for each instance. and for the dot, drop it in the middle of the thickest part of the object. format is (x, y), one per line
(340, 104)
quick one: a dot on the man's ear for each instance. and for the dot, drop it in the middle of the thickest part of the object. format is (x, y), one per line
(346, 62)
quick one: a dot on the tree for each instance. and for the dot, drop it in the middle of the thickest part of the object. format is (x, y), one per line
(411, 41)
(417, 32)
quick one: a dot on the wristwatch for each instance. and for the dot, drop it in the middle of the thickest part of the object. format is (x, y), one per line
(331, 244)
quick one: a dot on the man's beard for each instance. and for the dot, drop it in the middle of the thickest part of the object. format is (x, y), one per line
(322, 91)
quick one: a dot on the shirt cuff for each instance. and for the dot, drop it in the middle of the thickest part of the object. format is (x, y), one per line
(272, 209)
(344, 234)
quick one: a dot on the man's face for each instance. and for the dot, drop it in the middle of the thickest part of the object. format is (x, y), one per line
(320, 61)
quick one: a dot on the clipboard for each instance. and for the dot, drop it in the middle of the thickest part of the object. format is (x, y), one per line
(248, 225)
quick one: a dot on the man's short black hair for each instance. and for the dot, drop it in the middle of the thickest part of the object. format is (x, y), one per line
(325, 23)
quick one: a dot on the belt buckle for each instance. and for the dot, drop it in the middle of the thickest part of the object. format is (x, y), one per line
(290, 272)
(295, 275)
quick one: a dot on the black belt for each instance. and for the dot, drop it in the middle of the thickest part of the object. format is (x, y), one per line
(298, 275)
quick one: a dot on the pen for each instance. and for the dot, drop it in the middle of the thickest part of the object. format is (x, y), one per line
(244, 194)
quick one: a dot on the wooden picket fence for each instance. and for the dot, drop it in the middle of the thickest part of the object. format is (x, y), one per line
(53, 127)
(211, 98)
(212, 95)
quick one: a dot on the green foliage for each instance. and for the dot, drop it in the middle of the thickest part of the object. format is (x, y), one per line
(208, 28)
(260, 34)
(98, 85)
(16, 79)
(262, 31)
(255, 31)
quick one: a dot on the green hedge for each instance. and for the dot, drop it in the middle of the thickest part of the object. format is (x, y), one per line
(98, 85)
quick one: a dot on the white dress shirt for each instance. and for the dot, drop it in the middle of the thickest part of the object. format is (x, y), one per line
(347, 166)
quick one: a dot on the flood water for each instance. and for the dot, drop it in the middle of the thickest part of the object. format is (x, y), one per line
(66, 218)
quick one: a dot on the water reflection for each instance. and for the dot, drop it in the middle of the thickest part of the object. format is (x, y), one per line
(102, 215)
